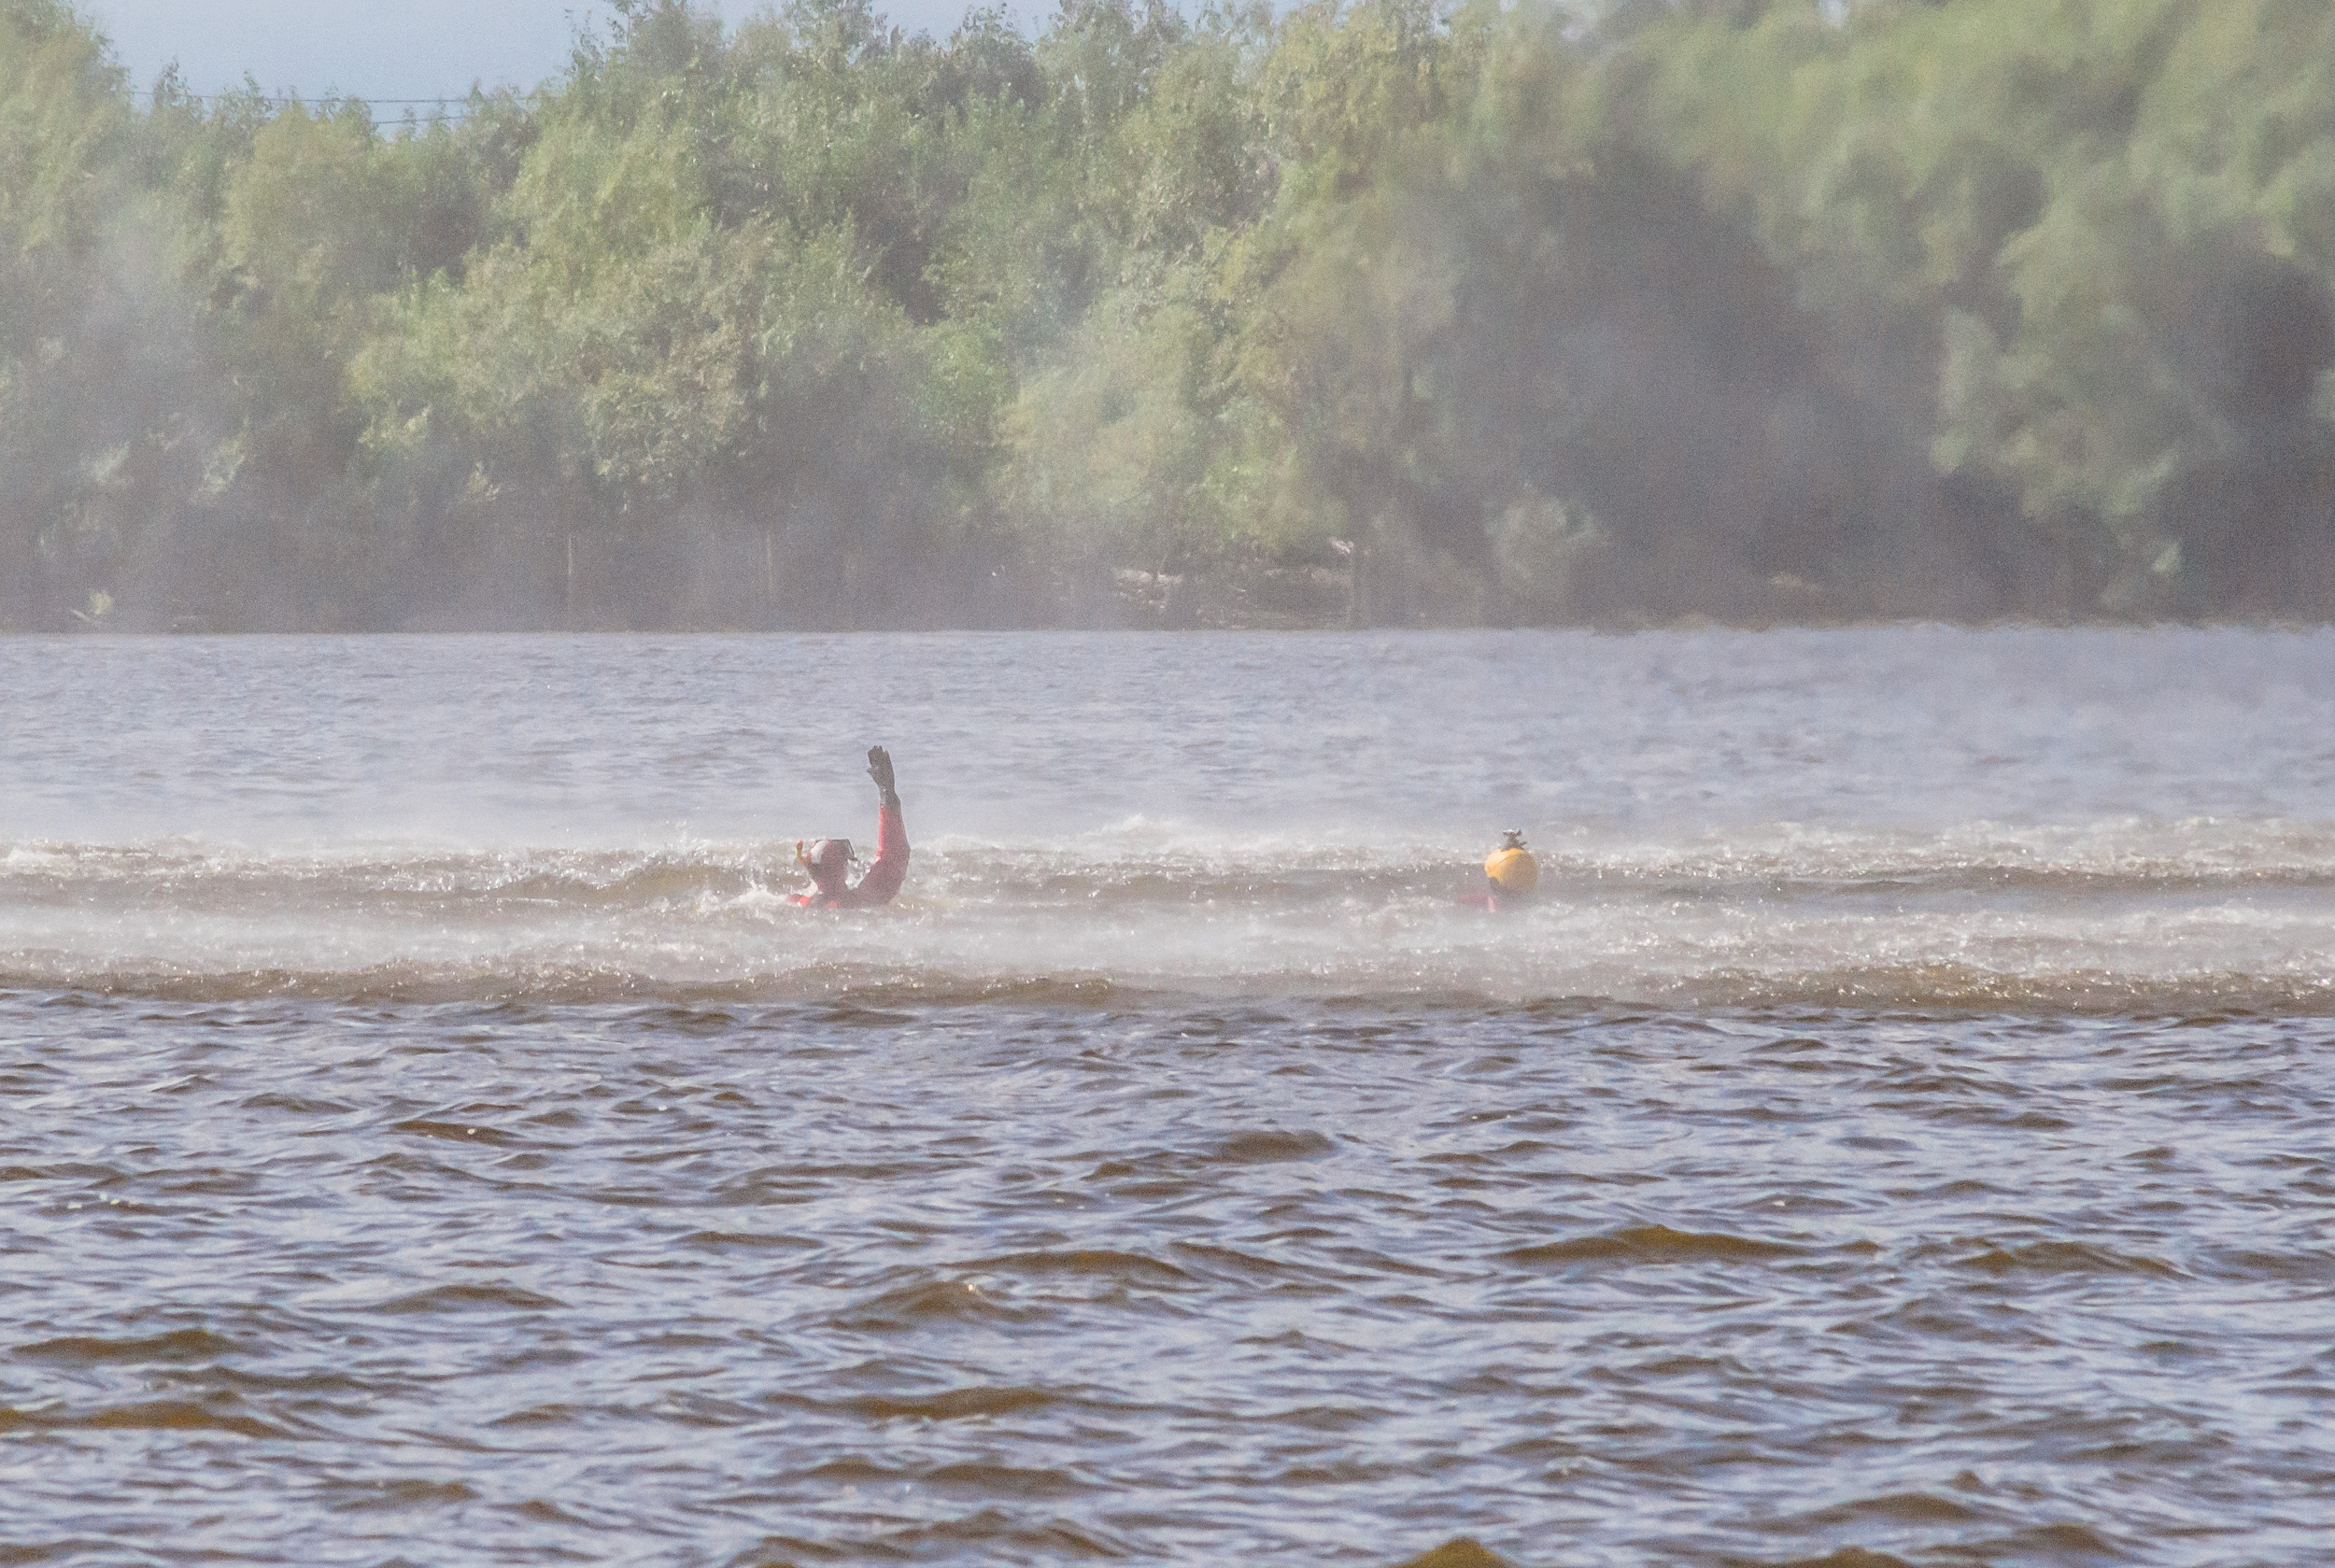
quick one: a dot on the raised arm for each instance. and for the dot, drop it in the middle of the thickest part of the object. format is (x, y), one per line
(890, 869)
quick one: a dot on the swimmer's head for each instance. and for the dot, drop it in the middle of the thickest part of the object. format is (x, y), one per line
(828, 861)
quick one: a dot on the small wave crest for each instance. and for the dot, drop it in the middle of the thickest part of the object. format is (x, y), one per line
(1654, 1244)
(2123, 915)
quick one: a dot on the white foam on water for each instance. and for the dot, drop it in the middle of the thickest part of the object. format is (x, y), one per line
(2120, 912)
(1898, 815)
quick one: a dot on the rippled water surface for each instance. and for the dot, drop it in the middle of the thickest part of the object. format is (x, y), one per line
(1900, 1132)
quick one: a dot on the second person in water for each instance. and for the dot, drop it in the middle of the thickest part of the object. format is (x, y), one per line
(829, 860)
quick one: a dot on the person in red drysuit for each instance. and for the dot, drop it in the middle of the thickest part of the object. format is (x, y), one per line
(828, 861)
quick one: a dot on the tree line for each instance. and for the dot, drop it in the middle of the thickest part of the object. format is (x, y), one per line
(1371, 312)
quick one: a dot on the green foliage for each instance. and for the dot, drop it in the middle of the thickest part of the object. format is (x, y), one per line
(2070, 240)
(1375, 308)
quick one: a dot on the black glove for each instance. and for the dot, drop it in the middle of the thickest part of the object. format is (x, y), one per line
(880, 770)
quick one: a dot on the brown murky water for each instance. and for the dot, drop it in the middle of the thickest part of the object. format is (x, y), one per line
(1901, 1127)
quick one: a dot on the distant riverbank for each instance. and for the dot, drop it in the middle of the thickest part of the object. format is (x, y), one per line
(1376, 313)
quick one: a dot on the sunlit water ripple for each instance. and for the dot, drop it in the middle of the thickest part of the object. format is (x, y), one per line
(1899, 1132)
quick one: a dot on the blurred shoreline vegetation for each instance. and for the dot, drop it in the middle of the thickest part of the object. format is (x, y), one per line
(1375, 312)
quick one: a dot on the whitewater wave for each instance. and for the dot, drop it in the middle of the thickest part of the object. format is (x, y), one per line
(2111, 915)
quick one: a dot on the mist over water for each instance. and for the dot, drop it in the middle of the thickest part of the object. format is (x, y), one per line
(2090, 819)
(1898, 1126)
(1380, 312)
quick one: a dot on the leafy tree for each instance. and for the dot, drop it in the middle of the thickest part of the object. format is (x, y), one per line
(1751, 309)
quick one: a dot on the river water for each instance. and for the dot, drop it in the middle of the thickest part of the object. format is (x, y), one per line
(1900, 1132)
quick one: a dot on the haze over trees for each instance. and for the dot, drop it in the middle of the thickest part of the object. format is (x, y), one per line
(1377, 311)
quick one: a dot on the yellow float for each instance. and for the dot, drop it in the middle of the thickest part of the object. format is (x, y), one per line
(1511, 867)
